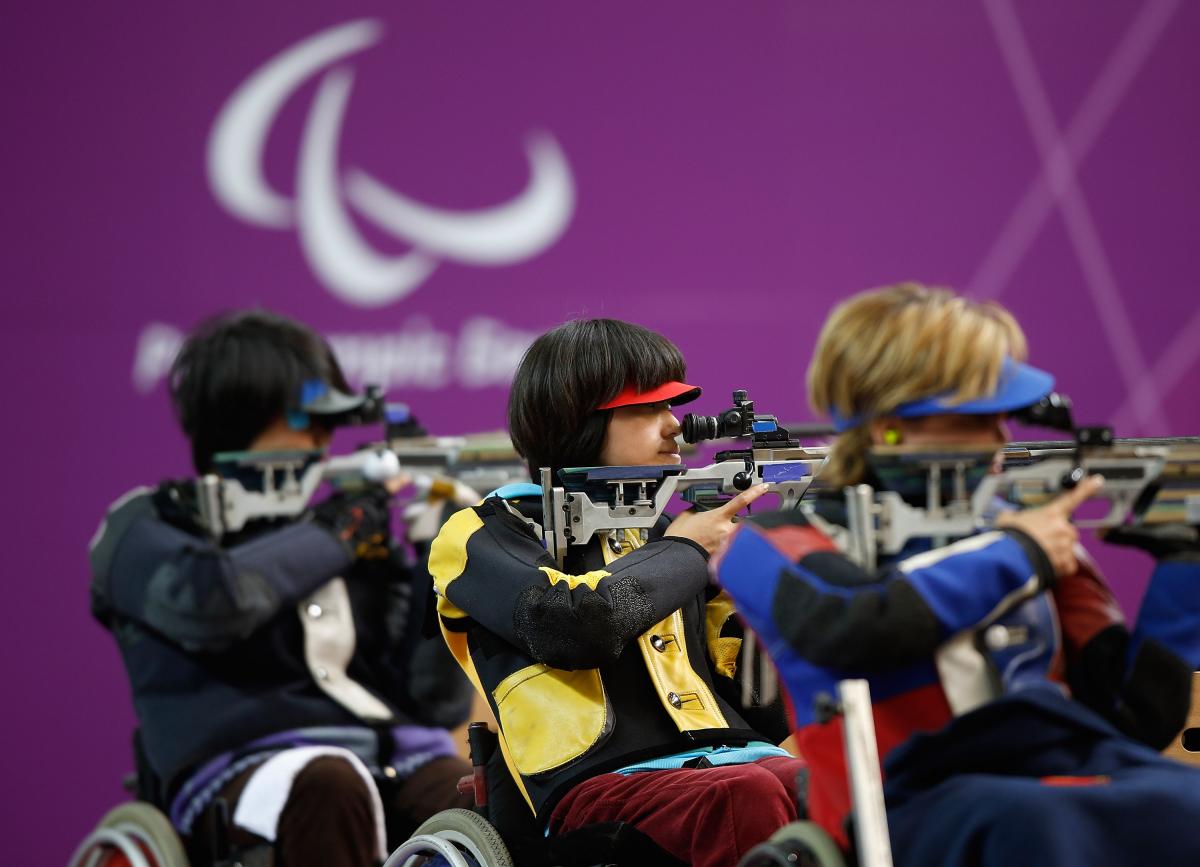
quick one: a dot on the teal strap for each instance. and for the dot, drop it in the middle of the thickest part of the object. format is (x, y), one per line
(516, 490)
(717, 756)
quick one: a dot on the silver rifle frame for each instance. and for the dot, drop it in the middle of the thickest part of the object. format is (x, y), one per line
(225, 506)
(572, 518)
(482, 462)
(881, 522)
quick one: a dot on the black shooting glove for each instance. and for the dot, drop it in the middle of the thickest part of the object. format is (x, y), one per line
(1161, 541)
(362, 520)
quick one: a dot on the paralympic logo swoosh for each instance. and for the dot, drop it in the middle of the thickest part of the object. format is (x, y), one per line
(336, 251)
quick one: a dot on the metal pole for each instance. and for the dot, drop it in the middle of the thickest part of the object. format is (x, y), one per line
(866, 780)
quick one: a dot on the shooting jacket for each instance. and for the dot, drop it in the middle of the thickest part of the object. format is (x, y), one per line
(941, 634)
(618, 658)
(275, 629)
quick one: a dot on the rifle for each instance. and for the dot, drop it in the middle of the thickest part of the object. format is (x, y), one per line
(483, 462)
(453, 470)
(249, 485)
(1147, 481)
(1159, 477)
(589, 500)
(252, 485)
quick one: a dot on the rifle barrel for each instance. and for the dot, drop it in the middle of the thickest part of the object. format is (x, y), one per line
(1069, 445)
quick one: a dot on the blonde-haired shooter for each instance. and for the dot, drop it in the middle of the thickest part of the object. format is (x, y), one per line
(1016, 715)
(887, 347)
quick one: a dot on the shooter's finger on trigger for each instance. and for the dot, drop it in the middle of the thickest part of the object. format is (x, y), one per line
(744, 499)
(1085, 490)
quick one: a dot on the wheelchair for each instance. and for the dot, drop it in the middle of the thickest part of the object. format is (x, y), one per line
(1186, 746)
(138, 833)
(797, 844)
(501, 832)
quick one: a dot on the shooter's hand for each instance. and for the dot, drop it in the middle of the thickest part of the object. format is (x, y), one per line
(1050, 525)
(710, 529)
(362, 520)
(397, 483)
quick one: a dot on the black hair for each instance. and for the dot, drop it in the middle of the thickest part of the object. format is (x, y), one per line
(568, 372)
(239, 372)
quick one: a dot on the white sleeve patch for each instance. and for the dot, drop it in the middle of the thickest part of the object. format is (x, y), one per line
(329, 640)
(963, 546)
(968, 677)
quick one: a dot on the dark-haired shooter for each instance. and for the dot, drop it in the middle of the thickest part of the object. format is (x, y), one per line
(272, 668)
(612, 677)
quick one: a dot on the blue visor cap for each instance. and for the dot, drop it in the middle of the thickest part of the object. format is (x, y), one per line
(1019, 386)
(318, 398)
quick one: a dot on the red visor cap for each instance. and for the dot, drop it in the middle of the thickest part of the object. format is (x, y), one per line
(674, 392)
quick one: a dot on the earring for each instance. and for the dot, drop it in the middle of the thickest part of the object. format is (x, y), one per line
(891, 436)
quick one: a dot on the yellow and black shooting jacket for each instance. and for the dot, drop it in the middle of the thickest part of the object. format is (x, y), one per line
(625, 655)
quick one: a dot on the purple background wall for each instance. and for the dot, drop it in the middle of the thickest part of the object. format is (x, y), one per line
(735, 169)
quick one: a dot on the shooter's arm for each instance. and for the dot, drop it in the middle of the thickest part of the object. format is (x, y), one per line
(196, 593)
(790, 581)
(1141, 683)
(490, 567)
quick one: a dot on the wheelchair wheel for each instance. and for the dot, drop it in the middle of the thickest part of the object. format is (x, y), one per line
(138, 832)
(797, 844)
(461, 837)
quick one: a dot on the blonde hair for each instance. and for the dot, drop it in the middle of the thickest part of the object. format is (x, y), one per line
(888, 346)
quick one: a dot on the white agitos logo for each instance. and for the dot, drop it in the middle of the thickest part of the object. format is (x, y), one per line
(337, 253)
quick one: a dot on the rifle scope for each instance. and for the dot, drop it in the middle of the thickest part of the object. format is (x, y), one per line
(740, 421)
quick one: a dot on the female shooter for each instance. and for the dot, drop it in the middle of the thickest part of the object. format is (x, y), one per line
(611, 676)
(1017, 716)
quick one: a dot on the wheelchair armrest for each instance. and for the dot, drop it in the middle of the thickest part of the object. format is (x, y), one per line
(482, 742)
